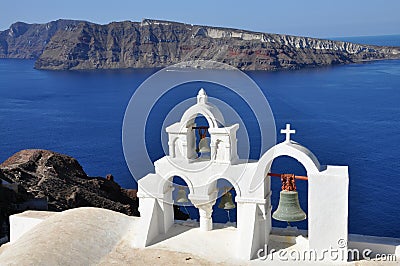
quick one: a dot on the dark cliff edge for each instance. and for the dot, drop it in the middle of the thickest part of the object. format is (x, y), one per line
(62, 182)
(74, 45)
(45, 180)
(28, 41)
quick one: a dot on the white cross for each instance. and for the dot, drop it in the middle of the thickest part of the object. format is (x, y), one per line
(287, 131)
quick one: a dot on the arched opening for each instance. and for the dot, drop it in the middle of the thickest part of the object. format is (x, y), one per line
(180, 198)
(288, 165)
(202, 138)
(225, 208)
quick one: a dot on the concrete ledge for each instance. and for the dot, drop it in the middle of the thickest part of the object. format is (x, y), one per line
(23, 222)
(378, 245)
(179, 237)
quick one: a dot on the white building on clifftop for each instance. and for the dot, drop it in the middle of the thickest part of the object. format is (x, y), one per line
(327, 186)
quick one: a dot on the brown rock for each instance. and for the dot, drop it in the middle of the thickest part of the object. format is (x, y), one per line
(62, 180)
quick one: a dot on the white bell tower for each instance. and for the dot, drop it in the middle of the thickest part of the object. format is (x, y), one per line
(327, 186)
(182, 139)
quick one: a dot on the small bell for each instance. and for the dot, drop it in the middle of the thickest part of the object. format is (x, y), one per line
(289, 209)
(182, 197)
(204, 145)
(226, 202)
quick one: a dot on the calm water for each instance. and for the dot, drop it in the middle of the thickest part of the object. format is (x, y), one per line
(347, 115)
(387, 40)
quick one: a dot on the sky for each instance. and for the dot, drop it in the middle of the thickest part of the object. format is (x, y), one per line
(314, 18)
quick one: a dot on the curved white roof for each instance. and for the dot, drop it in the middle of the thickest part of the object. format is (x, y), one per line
(203, 107)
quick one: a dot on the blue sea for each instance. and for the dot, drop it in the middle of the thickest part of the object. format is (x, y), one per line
(347, 115)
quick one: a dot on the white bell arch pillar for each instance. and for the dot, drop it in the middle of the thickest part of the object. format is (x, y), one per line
(327, 197)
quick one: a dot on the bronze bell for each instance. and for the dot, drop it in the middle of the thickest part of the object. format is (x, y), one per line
(204, 145)
(289, 209)
(182, 197)
(227, 202)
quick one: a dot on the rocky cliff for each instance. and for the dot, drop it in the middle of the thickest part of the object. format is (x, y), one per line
(61, 180)
(154, 43)
(27, 41)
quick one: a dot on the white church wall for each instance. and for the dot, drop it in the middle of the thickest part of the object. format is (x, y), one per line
(328, 210)
(24, 222)
(253, 228)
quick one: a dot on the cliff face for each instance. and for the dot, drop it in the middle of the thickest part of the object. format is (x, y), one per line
(61, 179)
(27, 41)
(152, 43)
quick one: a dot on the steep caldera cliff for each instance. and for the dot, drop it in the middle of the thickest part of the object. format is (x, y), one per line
(64, 45)
(27, 41)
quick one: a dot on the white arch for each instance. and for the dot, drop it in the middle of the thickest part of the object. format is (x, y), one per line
(294, 150)
(176, 147)
(209, 111)
(168, 178)
(230, 180)
(291, 149)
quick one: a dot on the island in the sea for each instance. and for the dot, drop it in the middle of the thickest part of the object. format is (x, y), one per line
(73, 45)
